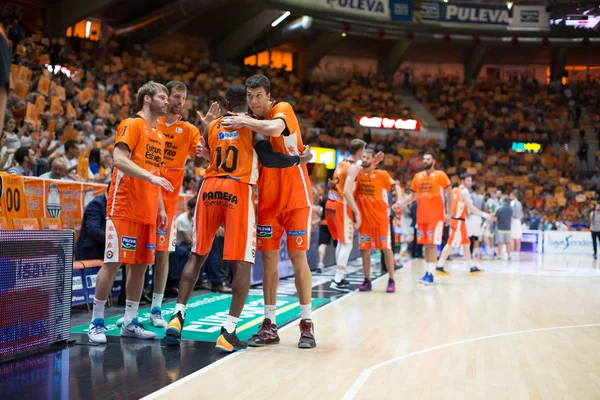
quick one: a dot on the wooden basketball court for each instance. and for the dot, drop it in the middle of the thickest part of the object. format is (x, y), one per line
(527, 329)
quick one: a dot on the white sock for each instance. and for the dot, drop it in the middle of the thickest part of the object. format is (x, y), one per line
(339, 274)
(271, 313)
(131, 310)
(430, 267)
(230, 323)
(180, 307)
(98, 311)
(305, 311)
(157, 299)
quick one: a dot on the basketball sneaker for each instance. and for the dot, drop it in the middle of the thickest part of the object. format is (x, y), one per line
(173, 334)
(120, 322)
(320, 268)
(307, 335)
(391, 287)
(157, 319)
(343, 285)
(96, 331)
(440, 271)
(136, 330)
(475, 270)
(267, 334)
(229, 342)
(427, 279)
(366, 286)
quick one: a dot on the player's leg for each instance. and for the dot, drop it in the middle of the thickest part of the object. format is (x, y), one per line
(383, 242)
(104, 283)
(228, 340)
(269, 233)
(345, 227)
(165, 243)
(455, 239)
(324, 241)
(365, 244)
(432, 238)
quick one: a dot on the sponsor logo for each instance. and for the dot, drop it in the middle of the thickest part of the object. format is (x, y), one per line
(161, 239)
(128, 243)
(299, 240)
(178, 130)
(161, 232)
(383, 239)
(401, 9)
(174, 243)
(530, 16)
(253, 253)
(365, 238)
(430, 10)
(296, 233)
(110, 254)
(564, 244)
(77, 298)
(151, 246)
(264, 231)
(218, 195)
(259, 242)
(77, 283)
(420, 233)
(228, 135)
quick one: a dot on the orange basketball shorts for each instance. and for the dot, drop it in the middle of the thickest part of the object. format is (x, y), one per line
(374, 237)
(129, 242)
(295, 223)
(339, 220)
(458, 234)
(430, 233)
(229, 203)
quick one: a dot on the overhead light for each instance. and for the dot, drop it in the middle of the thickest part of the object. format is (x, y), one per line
(344, 34)
(509, 4)
(280, 19)
(445, 1)
(88, 28)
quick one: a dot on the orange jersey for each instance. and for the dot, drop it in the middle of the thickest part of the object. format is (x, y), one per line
(339, 177)
(459, 207)
(282, 189)
(130, 198)
(429, 187)
(372, 197)
(181, 139)
(232, 153)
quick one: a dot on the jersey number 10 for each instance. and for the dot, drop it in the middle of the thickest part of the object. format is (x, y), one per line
(230, 153)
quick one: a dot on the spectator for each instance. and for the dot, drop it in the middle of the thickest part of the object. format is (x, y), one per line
(16, 33)
(26, 162)
(534, 220)
(595, 228)
(71, 158)
(58, 170)
(90, 244)
(4, 75)
(183, 247)
(190, 185)
(6, 155)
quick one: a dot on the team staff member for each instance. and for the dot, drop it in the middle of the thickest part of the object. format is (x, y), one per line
(372, 187)
(226, 198)
(133, 209)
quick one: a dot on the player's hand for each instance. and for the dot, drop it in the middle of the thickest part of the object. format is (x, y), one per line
(379, 157)
(448, 219)
(220, 232)
(358, 220)
(162, 218)
(234, 122)
(202, 150)
(330, 183)
(306, 156)
(162, 182)
(213, 113)
(397, 207)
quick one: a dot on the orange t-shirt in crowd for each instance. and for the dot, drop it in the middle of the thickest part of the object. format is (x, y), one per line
(284, 189)
(372, 197)
(429, 187)
(181, 139)
(339, 177)
(130, 198)
(459, 207)
(232, 153)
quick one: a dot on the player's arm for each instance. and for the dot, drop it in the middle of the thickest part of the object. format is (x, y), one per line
(469, 202)
(410, 199)
(272, 159)
(449, 201)
(162, 212)
(128, 167)
(352, 173)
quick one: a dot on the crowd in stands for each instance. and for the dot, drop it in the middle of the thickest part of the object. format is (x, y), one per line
(68, 96)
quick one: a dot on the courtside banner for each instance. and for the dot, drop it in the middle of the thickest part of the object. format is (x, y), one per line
(465, 13)
(401, 10)
(378, 9)
(568, 242)
(36, 270)
(530, 17)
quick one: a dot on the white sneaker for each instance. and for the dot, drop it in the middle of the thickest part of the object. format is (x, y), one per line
(157, 319)
(96, 331)
(136, 330)
(120, 322)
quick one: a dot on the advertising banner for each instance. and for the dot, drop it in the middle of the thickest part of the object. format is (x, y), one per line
(361, 8)
(465, 13)
(401, 10)
(568, 242)
(530, 17)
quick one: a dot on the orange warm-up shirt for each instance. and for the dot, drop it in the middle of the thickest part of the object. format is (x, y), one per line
(130, 198)
(232, 154)
(181, 139)
(284, 189)
(372, 197)
(339, 177)
(459, 207)
(429, 187)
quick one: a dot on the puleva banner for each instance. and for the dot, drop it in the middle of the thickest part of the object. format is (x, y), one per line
(465, 13)
(362, 8)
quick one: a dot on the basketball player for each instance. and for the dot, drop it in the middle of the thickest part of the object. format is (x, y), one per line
(340, 209)
(325, 238)
(475, 224)
(428, 188)
(133, 207)
(226, 198)
(284, 205)
(490, 231)
(516, 229)
(461, 200)
(372, 188)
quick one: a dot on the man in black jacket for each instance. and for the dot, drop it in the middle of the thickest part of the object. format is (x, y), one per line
(90, 244)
